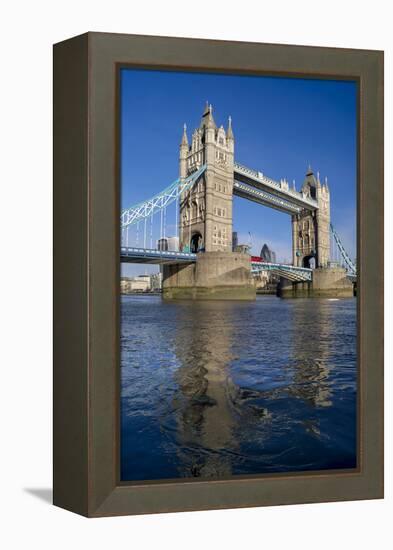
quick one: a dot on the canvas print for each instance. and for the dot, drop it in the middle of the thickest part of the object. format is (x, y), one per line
(238, 275)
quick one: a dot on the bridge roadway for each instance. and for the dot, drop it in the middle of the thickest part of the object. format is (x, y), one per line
(290, 272)
(167, 257)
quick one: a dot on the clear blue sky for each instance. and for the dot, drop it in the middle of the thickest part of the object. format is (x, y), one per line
(280, 126)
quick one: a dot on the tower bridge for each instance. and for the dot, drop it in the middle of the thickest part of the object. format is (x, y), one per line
(205, 264)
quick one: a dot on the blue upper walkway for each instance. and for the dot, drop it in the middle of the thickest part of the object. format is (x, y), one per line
(153, 256)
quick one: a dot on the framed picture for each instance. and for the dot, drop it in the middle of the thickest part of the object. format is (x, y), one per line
(218, 274)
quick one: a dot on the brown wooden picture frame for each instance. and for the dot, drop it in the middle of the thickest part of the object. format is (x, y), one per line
(86, 274)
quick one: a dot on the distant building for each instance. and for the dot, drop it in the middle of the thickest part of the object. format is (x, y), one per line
(261, 280)
(268, 255)
(173, 244)
(168, 243)
(141, 283)
(162, 244)
(156, 281)
(124, 285)
(143, 279)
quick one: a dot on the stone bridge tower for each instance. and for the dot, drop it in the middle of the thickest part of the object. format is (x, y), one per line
(311, 230)
(206, 210)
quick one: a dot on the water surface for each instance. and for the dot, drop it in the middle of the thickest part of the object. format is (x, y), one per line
(214, 389)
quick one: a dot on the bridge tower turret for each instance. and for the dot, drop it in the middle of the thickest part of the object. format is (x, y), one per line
(206, 209)
(311, 229)
(183, 153)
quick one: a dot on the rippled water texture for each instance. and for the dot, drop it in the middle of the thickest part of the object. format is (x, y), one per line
(213, 389)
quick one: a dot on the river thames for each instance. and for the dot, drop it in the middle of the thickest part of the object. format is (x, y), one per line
(214, 389)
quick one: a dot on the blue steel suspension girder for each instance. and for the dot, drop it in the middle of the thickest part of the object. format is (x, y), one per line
(148, 208)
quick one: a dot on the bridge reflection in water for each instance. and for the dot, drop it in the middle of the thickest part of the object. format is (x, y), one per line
(205, 419)
(227, 388)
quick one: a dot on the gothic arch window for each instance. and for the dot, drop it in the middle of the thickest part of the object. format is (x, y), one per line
(194, 208)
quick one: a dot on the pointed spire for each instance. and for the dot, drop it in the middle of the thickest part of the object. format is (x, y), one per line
(207, 117)
(309, 170)
(184, 140)
(210, 119)
(326, 183)
(294, 185)
(229, 131)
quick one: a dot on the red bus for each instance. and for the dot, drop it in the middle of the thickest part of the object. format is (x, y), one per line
(257, 259)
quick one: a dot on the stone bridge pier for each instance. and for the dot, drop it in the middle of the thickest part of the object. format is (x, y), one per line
(214, 276)
(327, 282)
